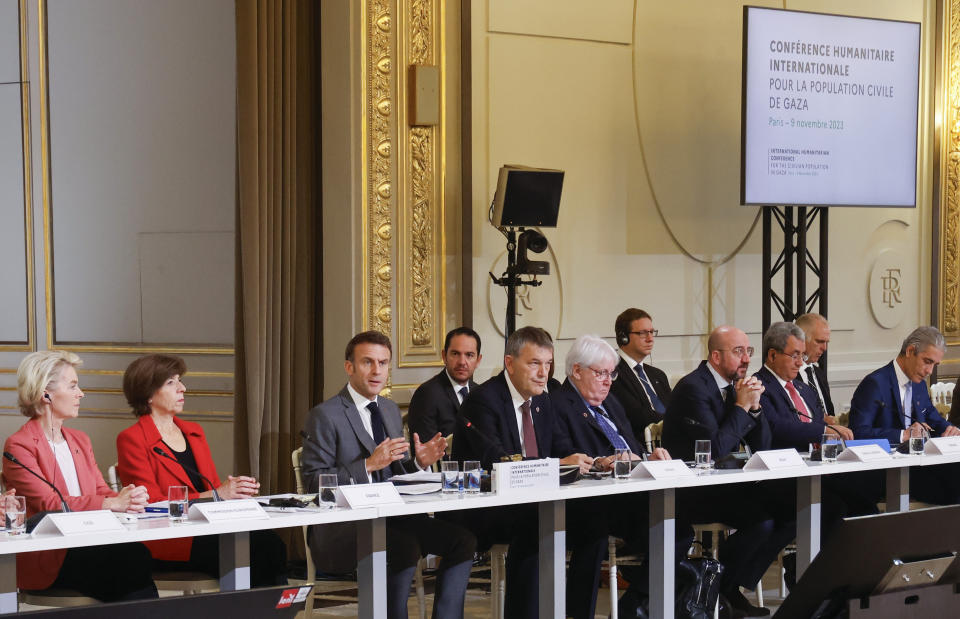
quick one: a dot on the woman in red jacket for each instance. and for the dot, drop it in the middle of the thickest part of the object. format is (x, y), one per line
(48, 392)
(155, 392)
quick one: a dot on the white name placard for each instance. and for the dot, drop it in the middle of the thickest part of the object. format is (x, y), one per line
(521, 477)
(220, 511)
(661, 469)
(943, 445)
(74, 523)
(774, 460)
(366, 495)
(863, 453)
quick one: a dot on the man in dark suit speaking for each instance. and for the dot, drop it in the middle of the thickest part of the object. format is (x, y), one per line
(642, 389)
(436, 403)
(893, 401)
(358, 436)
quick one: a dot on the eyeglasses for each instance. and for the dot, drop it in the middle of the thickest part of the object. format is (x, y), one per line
(646, 333)
(604, 374)
(797, 356)
(739, 351)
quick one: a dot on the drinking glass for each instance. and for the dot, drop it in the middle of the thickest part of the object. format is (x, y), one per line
(471, 476)
(701, 455)
(829, 448)
(450, 475)
(918, 437)
(15, 514)
(327, 490)
(177, 498)
(622, 463)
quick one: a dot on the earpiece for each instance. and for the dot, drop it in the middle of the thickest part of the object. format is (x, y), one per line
(623, 338)
(46, 397)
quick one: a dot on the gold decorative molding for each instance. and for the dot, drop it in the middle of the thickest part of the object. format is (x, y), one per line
(379, 86)
(950, 173)
(420, 211)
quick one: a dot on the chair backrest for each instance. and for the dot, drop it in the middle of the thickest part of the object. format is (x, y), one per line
(653, 432)
(112, 480)
(297, 458)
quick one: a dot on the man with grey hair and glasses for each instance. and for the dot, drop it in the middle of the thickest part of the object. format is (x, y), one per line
(816, 330)
(893, 402)
(597, 423)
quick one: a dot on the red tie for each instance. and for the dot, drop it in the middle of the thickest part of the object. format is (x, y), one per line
(529, 435)
(802, 411)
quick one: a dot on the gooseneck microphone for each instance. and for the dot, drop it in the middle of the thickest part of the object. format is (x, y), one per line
(63, 503)
(213, 489)
(806, 416)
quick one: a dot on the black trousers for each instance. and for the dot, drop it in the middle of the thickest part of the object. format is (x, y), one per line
(268, 558)
(111, 573)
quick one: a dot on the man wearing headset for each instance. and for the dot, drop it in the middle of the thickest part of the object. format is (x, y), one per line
(642, 389)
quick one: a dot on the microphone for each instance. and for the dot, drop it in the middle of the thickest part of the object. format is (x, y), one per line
(806, 416)
(213, 489)
(63, 503)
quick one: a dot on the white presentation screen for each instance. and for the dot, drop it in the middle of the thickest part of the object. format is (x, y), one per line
(829, 110)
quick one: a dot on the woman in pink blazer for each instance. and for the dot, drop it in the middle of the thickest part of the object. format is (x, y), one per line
(48, 392)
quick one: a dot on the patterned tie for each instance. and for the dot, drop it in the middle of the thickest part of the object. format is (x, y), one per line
(379, 434)
(655, 402)
(729, 393)
(908, 405)
(813, 382)
(802, 413)
(609, 430)
(529, 435)
(464, 392)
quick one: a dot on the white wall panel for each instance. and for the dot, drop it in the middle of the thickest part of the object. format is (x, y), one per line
(142, 141)
(9, 41)
(13, 275)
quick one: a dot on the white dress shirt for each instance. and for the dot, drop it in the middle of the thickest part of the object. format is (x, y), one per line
(457, 386)
(517, 402)
(902, 382)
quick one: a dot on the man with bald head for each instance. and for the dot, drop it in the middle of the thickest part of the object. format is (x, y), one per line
(816, 331)
(720, 403)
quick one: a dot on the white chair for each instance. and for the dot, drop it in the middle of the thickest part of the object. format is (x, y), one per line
(652, 433)
(185, 582)
(613, 561)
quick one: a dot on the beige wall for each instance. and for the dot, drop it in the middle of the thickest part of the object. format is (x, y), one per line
(124, 151)
(639, 102)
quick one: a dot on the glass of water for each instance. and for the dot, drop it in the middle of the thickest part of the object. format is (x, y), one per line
(450, 476)
(701, 455)
(177, 499)
(471, 476)
(15, 514)
(829, 448)
(622, 463)
(327, 490)
(918, 437)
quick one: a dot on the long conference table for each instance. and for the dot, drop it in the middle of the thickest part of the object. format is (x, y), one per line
(371, 529)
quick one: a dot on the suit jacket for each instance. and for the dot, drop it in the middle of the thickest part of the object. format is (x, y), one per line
(786, 428)
(630, 392)
(494, 433)
(434, 407)
(697, 411)
(583, 428)
(339, 444)
(821, 375)
(38, 570)
(877, 412)
(138, 464)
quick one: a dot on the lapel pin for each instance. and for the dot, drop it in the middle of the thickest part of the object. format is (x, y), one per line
(584, 415)
(536, 410)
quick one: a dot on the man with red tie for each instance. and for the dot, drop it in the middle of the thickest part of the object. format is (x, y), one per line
(796, 420)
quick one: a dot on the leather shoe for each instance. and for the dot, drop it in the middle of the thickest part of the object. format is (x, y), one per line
(741, 607)
(633, 604)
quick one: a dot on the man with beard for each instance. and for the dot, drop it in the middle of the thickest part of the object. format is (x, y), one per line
(436, 403)
(719, 403)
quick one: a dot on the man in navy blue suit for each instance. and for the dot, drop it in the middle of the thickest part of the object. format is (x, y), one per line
(597, 424)
(893, 401)
(797, 419)
(511, 415)
(719, 403)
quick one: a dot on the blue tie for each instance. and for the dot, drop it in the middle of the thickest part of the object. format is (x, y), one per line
(908, 405)
(658, 406)
(608, 428)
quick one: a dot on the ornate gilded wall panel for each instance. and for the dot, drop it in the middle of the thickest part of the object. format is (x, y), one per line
(420, 198)
(949, 104)
(379, 88)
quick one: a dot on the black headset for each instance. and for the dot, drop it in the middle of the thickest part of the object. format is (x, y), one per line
(623, 338)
